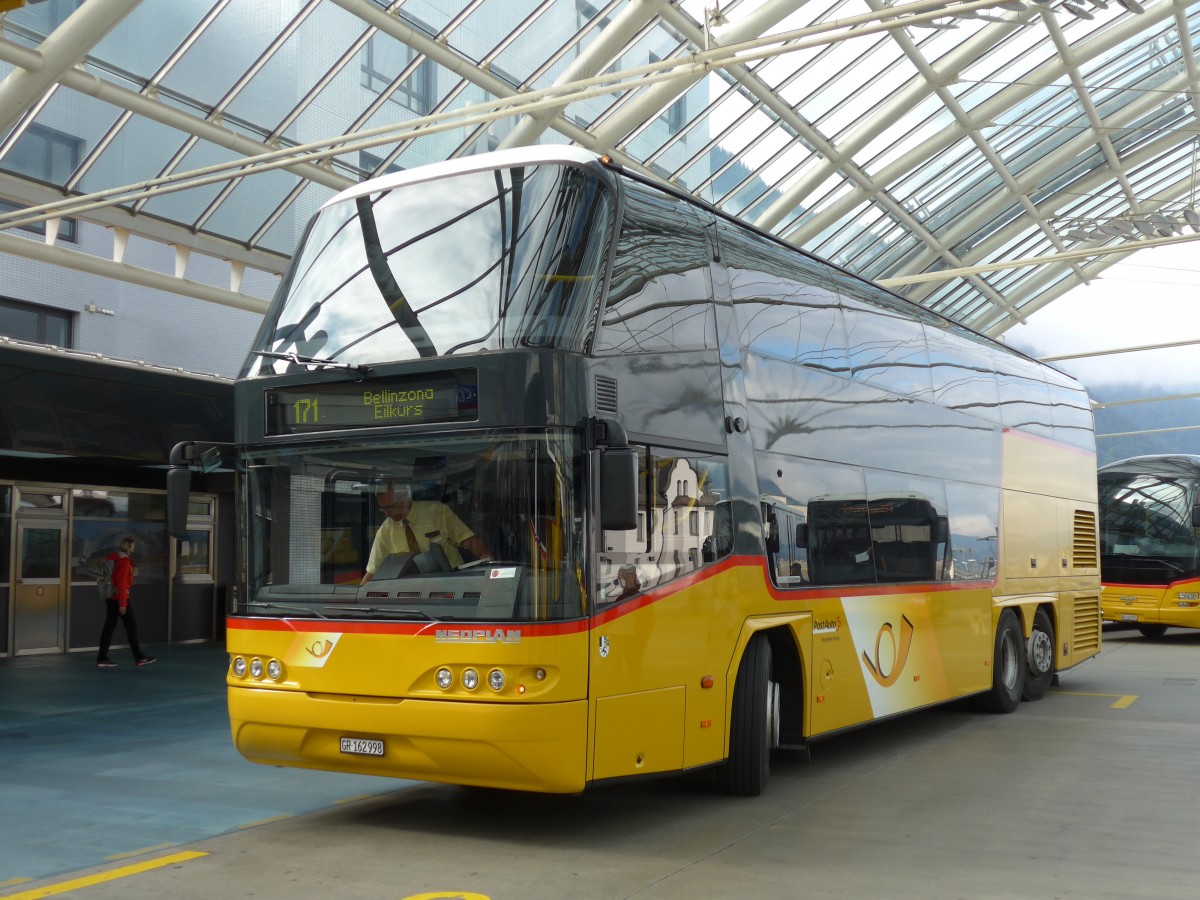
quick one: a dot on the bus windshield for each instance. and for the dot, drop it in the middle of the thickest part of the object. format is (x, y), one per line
(1146, 527)
(481, 261)
(474, 527)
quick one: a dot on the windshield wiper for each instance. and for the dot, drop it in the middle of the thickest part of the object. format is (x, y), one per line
(386, 610)
(315, 361)
(282, 606)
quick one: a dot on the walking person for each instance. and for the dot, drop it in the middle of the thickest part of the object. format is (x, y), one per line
(119, 608)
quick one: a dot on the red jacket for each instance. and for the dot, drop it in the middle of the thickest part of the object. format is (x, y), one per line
(122, 575)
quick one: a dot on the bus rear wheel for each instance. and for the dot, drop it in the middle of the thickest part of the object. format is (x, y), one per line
(1039, 652)
(753, 723)
(1008, 665)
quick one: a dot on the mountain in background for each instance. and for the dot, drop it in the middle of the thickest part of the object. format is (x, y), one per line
(1152, 423)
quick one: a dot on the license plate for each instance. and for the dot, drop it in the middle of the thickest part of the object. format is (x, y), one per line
(362, 746)
(1125, 617)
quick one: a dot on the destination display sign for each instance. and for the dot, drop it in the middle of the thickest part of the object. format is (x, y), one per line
(378, 403)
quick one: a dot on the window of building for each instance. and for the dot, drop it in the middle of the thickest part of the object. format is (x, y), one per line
(675, 115)
(68, 229)
(384, 59)
(45, 154)
(103, 518)
(38, 324)
(370, 164)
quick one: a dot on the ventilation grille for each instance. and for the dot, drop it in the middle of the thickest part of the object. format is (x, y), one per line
(1083, 540)
(606, 395)
(1086, 638)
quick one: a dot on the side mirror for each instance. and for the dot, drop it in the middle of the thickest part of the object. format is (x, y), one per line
(179, 488)
(941, 529)
(618, 478)
(802, 536)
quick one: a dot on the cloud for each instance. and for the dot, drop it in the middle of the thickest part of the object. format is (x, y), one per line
(1151, 298)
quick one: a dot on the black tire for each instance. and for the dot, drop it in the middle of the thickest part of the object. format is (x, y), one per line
(1008, 665)
(752, 723)
(1039, 655)
(1152, 631)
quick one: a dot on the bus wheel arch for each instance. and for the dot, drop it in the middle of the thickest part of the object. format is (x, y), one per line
(1008, 665)
(787, 671)
(1039, 656)
(753, 722)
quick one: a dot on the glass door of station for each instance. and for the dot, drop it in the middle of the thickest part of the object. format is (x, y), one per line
(40, 584)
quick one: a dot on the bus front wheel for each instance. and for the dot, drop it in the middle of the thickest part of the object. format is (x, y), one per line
(753, 723)
(1039, 651)
(1152, 631)
(1008, 665)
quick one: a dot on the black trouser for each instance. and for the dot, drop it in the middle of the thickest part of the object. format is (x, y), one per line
(112, 614)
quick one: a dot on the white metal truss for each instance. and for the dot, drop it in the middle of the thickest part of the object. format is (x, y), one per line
(991, 265)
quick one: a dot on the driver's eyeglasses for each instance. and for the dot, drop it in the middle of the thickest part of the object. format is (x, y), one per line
(390, 506)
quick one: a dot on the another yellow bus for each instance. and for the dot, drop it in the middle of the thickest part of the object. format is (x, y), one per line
(686, 494)
(1150, 542)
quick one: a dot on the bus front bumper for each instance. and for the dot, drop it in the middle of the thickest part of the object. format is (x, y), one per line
(516, 746)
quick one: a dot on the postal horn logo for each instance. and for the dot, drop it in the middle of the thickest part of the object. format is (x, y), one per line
(320, 648)
(899, 652)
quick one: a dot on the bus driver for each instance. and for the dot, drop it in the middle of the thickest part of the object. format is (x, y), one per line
(412, 525)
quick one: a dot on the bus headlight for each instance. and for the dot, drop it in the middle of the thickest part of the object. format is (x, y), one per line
(496, 680)
(470, 679)
(256, 667)
(444, 678)
(239, 666)
(274, 669)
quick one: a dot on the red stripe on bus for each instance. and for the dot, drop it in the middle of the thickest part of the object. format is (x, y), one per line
(574, 626)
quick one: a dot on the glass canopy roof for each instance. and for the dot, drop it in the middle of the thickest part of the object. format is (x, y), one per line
(925, 145)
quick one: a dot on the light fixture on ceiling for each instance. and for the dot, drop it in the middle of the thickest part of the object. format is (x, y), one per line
(1133, 6)
(713, 18)
(1160, 223)
(1076, 10)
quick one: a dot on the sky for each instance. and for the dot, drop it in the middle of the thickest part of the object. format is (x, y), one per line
(1153, 297)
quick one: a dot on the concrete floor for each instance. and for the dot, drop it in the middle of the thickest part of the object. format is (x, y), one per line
(1089, 793)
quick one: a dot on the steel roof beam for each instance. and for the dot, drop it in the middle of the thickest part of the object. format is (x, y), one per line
(598, 55)
(448, 59)
(107, 268)
(987, 111)
(995, 204)
(1180, 187)
(658, 97)
(61, 50)
(823, 146)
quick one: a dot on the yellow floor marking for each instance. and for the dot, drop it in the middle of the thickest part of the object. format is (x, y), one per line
(448, 895)
(88, 880)
(353, 799)
(12, 881)
(156, 847)
(1124, 701)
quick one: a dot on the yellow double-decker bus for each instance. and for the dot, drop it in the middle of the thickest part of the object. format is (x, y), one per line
(549, 475)
(1150, 542)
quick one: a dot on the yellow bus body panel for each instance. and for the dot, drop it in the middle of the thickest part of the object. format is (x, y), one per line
(1177, 605)
(379, 684)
